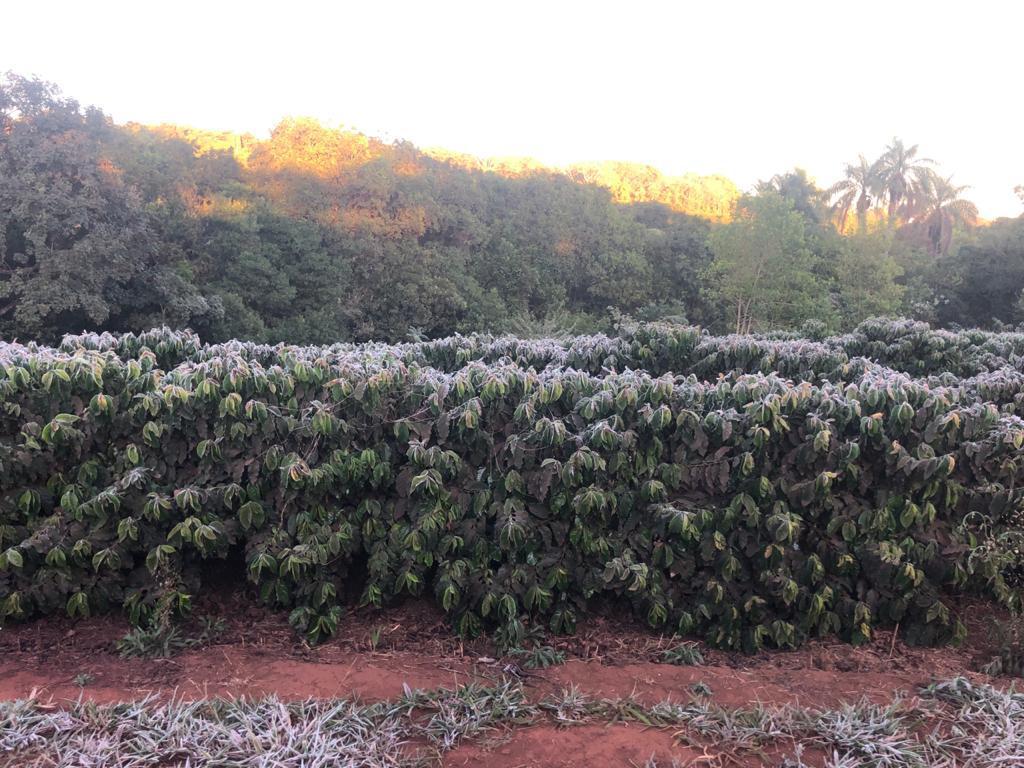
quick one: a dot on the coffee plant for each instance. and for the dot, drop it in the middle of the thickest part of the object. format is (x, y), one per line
(750, 490)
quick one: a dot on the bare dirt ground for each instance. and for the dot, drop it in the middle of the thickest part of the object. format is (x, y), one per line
(377, 653)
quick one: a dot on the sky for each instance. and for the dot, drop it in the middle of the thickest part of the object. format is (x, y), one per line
(745, 89)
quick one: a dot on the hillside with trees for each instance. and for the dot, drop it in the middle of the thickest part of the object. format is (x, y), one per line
(319, 235)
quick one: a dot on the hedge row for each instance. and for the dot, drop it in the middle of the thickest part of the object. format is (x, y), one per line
(748, 509)
(658, 348)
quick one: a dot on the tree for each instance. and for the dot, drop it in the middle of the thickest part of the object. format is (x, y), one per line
(866, 275)
(317, 234)
(77, 249)
(797, 187)
(677, 246)
(711, 197)
(982, 281)
(860, 188)
(273, 274)
(763, 269)
(940, 210)
(904, 177)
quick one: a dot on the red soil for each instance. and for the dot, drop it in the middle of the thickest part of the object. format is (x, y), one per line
(259, 654)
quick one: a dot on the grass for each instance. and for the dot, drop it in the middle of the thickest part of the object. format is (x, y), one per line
(538, 657)
(955, 724)
(1008, 637)
(570, 707)
(700, 688)
(952, 724)
(468, 710)
(161, 641)
(988, 727)
(373, 641)
(683, 655)
(264, 733)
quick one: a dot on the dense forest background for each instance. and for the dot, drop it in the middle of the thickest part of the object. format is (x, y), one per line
(321, 235)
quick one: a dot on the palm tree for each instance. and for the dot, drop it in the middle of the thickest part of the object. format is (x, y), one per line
(941, 210)
(798, 187)
(903, 177)
(857, 190)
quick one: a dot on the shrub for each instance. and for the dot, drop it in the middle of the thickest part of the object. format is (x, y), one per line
(745, 508)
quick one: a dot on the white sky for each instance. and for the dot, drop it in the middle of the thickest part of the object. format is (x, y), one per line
(746, 89)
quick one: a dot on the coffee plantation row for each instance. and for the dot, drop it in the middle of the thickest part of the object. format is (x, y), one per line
(750, 490)
(904, 345)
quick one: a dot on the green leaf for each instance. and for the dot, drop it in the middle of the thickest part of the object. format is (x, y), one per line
(14, 558)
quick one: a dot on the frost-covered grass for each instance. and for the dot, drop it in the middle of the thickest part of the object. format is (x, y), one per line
(267, 733)
(953, 724)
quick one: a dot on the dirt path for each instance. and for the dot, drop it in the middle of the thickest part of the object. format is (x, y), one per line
(378, 654)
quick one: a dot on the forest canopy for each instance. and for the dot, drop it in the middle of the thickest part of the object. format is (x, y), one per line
(317, 234)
